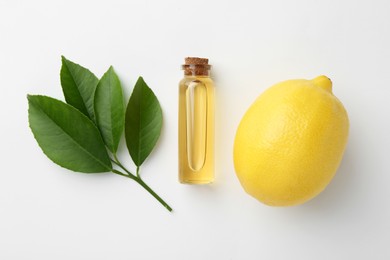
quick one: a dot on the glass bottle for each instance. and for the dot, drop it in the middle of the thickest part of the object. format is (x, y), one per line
(196, 123)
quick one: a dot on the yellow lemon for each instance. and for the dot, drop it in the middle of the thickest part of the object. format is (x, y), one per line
(290, 142)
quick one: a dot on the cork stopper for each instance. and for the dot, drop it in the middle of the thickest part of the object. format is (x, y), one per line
(196, 61)
(196, 66)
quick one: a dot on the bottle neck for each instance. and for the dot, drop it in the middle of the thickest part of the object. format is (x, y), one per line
(196, 70)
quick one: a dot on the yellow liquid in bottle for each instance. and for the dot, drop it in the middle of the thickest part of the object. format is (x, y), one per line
(196, 130)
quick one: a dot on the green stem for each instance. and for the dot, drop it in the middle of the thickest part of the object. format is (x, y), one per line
(122, 174)
(144, 185)
(138, 172)
(116, 161)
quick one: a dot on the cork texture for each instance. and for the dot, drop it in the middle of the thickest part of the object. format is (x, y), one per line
(196, 66)
(196, 61)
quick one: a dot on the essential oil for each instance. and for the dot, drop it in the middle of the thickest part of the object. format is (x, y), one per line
(196, 123)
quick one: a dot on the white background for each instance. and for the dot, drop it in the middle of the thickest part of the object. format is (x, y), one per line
(47, 212)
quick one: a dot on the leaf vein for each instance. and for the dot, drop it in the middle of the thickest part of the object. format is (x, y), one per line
(73, 140)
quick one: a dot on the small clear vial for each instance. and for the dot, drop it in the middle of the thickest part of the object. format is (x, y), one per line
(196, 123)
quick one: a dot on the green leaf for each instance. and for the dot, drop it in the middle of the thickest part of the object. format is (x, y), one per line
(109, 109)
(67, 136)
(143, 122)
(78, 85)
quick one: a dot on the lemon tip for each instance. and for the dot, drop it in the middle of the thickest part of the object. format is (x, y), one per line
(324, 82)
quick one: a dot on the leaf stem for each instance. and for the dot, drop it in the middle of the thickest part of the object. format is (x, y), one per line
(123, 174)
(138, 172)
(116, 161)
(146, 187)
(140, 182)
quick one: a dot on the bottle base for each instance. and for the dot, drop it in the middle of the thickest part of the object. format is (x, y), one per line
(201, 182)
